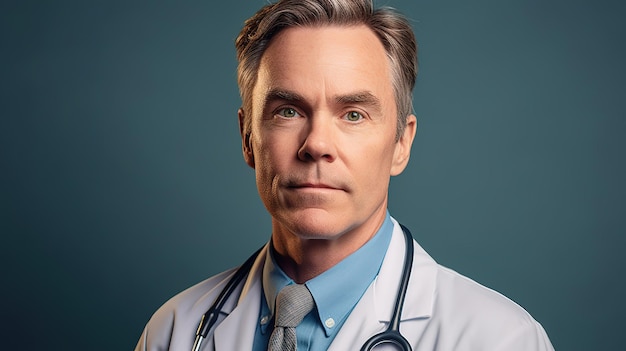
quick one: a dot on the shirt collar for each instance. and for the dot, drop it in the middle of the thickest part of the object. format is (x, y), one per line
(335, 291)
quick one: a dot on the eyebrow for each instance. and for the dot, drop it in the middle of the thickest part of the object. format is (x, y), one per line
(364, 98)
(281, 94)
(360, 97)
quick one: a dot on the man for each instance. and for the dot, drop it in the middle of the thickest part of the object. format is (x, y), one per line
(326, 120)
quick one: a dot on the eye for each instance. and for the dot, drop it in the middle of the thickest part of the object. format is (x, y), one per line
(353, 116)
(287, 112)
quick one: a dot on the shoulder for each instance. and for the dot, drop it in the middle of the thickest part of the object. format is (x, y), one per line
(472, 300)
(173, 325)
(181, 313)
(479, 316)
(190, 298)
(453, 312)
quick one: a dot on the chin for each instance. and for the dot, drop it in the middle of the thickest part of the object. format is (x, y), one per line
(316, 224)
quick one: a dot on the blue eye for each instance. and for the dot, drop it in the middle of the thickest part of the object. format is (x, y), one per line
(287, 112)
(354, 116)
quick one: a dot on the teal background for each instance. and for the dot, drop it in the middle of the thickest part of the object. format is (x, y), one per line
(122, 180)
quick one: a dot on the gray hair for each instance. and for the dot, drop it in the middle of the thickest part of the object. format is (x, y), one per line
(392, 29)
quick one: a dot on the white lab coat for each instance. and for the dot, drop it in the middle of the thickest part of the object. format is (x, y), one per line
(443, 311)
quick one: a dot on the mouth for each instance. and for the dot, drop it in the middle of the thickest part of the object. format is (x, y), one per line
(313, 186)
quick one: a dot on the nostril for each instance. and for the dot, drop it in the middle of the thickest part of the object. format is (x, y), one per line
(304, 155)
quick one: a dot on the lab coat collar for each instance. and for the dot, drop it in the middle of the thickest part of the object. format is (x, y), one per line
(370, 316)
(421, 290)
(373, 313)
(236, 331)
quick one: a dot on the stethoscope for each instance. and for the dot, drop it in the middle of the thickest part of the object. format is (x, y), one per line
(390, 336)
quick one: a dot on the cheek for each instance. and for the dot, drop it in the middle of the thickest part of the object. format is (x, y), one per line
(377, 160)
(270, 159)
(268, 151)
(277, 147)
(264, 174)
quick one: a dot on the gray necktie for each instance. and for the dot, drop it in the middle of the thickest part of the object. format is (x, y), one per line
(292, 304)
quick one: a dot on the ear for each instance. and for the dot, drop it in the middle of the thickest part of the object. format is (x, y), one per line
(246, 142)
(402, 151)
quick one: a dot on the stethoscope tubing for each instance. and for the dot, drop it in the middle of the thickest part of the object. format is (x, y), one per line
(210, 317)
(391, 335)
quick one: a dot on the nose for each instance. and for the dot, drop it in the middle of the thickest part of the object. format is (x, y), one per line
(319, 141)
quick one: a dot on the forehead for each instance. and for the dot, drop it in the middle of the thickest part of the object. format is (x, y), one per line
(333, 59)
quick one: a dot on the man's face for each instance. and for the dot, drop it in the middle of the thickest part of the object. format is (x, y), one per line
(322, 139)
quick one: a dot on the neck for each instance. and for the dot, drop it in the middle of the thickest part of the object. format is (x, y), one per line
(303, 259)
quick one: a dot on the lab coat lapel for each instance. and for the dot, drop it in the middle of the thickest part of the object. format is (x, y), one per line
(373, 312)
(236, 331)
(420, 293)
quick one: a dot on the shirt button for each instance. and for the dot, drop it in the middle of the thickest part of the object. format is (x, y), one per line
(264, 320)
(330, 323)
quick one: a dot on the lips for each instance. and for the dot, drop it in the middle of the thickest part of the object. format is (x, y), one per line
(315, 185)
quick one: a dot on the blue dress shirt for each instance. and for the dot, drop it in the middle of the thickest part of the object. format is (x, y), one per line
(335, 292)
